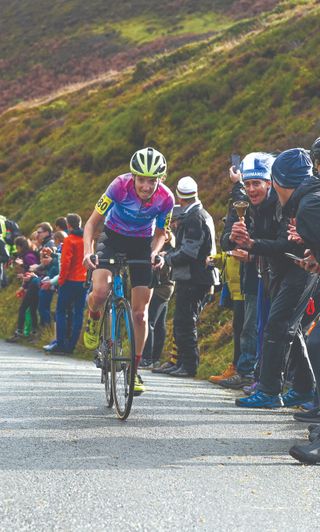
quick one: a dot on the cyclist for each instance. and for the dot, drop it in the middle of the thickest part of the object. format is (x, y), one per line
(136, 209)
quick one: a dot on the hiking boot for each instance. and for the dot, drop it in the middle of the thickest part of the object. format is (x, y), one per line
(171, 369)
(181, 372)
(16, 337)
(307, 454)
(164, 366)
(139, 387)
(293, 398)
(235, 382)
(312, 416)
(91, 334)
(260, 400)
(226, 374)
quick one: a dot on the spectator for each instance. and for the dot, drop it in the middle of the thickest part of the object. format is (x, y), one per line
(194, 243)
(158, 309)
(291, 170)
(4, 253)
(231, 297)
(49, 268)
(61, 224)
(30, 288)
(44, 232)
(173, 357)
(249, 288)
(71, 286)
(51, 284)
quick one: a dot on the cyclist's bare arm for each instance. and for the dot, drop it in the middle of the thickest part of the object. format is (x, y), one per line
(92, 230)
(157, 244)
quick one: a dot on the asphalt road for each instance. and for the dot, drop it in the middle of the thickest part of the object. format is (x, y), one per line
(187, 458)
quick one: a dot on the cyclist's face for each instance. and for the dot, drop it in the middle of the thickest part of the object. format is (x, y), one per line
(257, 190)
(145, 186)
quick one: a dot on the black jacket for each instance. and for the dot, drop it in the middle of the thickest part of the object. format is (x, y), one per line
(304, 205)
(248, 270)
(194, 242)
(268, 226)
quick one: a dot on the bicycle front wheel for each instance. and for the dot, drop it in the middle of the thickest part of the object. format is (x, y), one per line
(104, 352)
(123, 360)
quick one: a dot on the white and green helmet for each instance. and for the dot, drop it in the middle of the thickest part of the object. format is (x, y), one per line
(148, 162)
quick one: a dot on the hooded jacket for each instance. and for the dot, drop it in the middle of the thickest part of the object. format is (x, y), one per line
(71, 267)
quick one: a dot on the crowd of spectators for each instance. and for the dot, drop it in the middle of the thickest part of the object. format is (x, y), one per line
(269, 263)
(50, 262)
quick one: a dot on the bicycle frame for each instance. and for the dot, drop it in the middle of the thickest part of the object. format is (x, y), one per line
(118, 291)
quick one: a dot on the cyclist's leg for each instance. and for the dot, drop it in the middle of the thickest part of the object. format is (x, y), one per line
(101, 284)
(140, 299)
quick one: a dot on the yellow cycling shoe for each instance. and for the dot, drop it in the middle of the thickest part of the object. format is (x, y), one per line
(91, 334)
(139, 387)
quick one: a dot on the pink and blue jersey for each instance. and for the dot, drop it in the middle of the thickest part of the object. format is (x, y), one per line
(128, 215)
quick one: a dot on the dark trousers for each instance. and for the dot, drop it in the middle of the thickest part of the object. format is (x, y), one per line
(248, 337)
(45, 298)
(157, 329)
(70, 293)
(237, 324)
(31, 301)
(188, 307)
(313, 346)
(286, 312)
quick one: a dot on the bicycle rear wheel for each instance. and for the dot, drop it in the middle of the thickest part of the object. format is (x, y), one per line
(123, 360)
(104, 353)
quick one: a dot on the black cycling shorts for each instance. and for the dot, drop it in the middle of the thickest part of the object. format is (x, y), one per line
(135, 248)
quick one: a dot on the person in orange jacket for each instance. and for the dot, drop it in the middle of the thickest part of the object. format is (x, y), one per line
(71, 287)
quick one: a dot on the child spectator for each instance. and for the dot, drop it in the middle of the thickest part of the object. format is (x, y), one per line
(29, 290)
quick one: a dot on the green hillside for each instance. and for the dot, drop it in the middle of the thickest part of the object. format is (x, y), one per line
(252, 85)
(44, 45)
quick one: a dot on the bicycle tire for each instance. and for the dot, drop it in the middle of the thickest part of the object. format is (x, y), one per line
(105, 349)
(123, 360)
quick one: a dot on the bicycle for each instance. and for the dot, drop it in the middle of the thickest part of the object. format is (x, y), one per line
(116, 351)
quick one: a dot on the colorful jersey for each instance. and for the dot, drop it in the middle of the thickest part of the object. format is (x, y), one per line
(128, 215)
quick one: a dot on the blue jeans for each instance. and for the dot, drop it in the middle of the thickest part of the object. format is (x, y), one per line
(248, 338)
(70, 293)
(45, 298)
